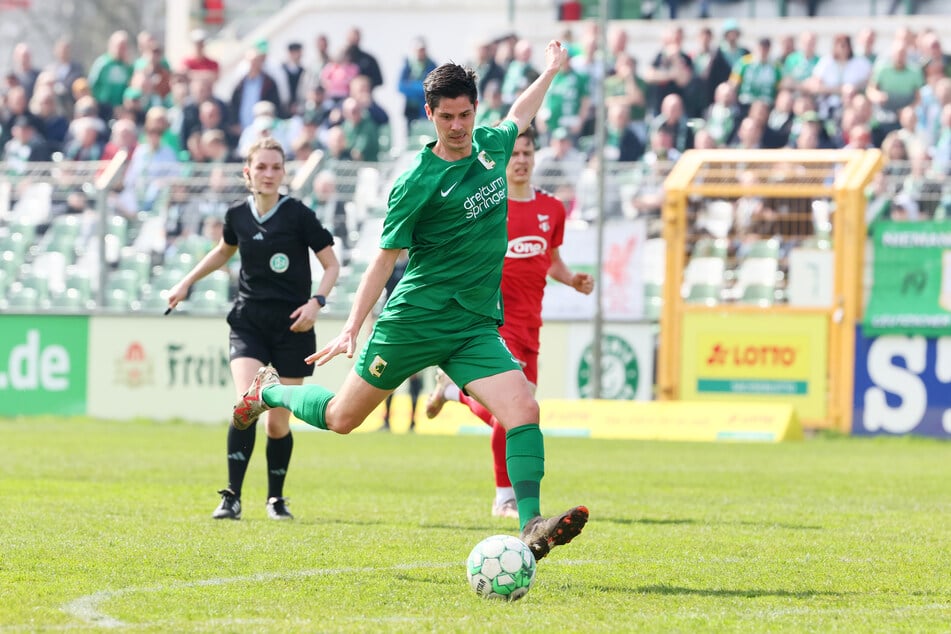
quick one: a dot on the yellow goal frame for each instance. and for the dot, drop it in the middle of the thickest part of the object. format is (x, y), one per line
(837, 175)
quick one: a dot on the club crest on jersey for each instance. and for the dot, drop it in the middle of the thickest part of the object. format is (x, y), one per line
(279, 263)
(485, 160)
(543, 222)
(377, 366)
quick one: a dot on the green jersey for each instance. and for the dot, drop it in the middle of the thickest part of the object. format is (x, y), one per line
(452, 216)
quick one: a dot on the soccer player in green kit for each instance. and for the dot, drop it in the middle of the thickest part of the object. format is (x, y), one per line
(450, 210)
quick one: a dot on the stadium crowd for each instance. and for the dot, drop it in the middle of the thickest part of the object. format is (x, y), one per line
(716, 87)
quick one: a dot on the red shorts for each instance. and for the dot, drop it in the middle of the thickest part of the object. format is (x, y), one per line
(523, 343)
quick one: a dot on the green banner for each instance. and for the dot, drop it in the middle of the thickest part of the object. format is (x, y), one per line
(911, 288)
(43, 364)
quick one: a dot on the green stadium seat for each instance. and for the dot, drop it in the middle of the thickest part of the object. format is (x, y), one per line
(710, 248)
(24, 227)
(22, 299)
(70, 300)
(707, 294)
(79, 280)
(154, 302)
(218, 281)
(653, 300)
(117, 299)
(764, 249)
(758, 295)
(138, 263)
(126, 280)
(207, 303)
(17, 244)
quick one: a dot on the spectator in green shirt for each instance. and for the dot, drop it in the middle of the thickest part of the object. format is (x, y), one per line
(111, 72)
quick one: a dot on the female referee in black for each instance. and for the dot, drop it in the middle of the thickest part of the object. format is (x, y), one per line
(272, 321)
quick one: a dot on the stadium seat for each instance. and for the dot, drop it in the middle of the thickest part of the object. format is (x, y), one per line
(138, 263)
(4, 281)
(764, 249)
(51, 265)
(119, 227)
(126, 280)
(17, 244)
(154, 302)
(31, 278)
(22, 298)
(79, 280)
(710, 248)
(117, 299)
(164, 278)
(207, 302)
(421, 132)
(707, 294)
(24, 227)
(758, 295)
(70, 300)
(653, 300)
(217, 281)
(815, 242)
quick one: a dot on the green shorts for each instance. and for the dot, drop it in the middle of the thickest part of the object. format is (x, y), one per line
(408, 339)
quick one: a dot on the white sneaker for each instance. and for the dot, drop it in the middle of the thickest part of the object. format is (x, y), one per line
(437, 398)
(508, 508)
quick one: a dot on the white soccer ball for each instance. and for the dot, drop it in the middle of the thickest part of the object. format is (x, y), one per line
(501, 567)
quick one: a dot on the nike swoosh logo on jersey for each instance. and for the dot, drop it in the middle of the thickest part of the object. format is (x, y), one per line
(446, 192)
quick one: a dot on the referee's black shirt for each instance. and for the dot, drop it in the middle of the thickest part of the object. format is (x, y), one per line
(275, 263)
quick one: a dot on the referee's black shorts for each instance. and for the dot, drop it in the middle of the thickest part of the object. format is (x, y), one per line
(261, 330)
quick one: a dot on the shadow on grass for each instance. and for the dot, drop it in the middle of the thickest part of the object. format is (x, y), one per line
(713, 592)
(649, 521)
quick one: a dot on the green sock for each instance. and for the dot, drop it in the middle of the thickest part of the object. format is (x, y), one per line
(525, 460)
(306, 402)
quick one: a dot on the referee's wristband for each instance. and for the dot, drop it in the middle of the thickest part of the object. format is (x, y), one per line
(321, 300)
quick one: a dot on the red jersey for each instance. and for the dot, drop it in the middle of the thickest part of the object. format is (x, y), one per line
(535, 227)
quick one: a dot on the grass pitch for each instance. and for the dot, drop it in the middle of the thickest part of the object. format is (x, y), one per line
(105, 526)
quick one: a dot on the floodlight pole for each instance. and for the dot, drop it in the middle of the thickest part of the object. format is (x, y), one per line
(600, 136)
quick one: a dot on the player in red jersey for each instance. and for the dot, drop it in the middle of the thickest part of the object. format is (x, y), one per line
(536, 227)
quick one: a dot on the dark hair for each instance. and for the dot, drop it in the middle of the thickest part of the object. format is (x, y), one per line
(529, 134)
(450, 81)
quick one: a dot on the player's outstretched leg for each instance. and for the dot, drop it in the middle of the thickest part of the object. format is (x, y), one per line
(544, 533)
(437, 398)
(250, 406)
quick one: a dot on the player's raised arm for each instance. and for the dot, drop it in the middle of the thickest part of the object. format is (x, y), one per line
(527, 104)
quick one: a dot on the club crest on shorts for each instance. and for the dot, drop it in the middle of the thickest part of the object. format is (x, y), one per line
(485, 160)
(377, 366)
(279, 262)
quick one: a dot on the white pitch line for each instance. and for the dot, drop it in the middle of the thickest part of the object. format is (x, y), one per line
(86, 608)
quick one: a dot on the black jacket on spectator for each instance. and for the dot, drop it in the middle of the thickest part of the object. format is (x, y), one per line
(269, 92)
(368, 65)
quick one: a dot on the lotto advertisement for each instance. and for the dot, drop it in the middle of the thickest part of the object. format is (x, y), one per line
(43, 365)
(901, 385)
(782, 358)
(911, 288)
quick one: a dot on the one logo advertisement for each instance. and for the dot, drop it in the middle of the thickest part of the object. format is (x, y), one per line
(43, 365)
(134, 369)
(526, 247)
(280, 262)
(619, 370)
